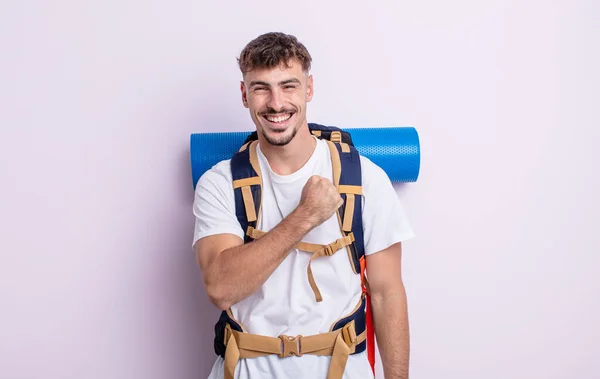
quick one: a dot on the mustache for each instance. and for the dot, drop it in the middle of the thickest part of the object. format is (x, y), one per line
(270, 110)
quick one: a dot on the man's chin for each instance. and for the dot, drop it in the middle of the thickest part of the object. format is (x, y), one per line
(279, 138)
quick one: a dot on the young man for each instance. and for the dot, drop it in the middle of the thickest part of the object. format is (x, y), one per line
(262, 285)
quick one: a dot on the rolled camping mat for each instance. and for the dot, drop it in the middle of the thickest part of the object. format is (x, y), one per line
(395, 149)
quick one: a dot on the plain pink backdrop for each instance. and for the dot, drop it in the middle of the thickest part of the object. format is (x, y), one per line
(97, 102)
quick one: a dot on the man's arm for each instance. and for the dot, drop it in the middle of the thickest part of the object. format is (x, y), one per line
(390, 311)
(232, 271)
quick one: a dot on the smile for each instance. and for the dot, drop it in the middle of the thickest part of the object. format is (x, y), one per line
(278, 119)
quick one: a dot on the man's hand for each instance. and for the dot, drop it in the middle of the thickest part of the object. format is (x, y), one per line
(319, 200)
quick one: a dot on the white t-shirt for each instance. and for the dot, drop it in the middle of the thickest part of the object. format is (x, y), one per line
(286, 304)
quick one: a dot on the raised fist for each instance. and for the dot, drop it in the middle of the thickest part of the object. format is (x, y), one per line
(320, 199)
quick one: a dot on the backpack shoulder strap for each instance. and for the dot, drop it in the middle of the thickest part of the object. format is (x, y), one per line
(247, 187)
(347, 177)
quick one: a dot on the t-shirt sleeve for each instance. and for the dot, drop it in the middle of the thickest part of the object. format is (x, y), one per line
(214, 204)
(384, 219)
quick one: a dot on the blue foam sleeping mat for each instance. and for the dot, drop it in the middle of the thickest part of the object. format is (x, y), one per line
(395, 149)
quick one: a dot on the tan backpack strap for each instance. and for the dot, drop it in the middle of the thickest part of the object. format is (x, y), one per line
(254, 233)
(336, 137)
(323, 251)
(245, 184)
(317, 250)
(336, 164)
(350, 192)
(244, 146)
(232, 356)
(254, 158)
(338, 344)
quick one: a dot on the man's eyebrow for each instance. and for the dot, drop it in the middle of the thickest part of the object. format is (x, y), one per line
(258, 83)
(294, 80)
(282, 83)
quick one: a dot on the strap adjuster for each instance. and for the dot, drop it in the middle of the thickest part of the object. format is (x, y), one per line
(290, 346)
(349, 334)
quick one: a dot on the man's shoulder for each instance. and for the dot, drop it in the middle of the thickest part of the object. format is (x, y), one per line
(371, 172)
(219, 175)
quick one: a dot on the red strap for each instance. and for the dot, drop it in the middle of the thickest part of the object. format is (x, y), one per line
(369, 317)
(370, 335)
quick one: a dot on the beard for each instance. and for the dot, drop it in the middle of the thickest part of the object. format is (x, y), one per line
(284, 137)
(280, 139)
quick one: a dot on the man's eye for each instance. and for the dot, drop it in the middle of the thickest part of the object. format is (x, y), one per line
(289, 87)
(260, 88)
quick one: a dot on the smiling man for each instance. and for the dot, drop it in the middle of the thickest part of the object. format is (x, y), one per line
(277, 122)
(282, 247)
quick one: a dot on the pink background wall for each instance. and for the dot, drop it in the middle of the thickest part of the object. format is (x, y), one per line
(97, 101)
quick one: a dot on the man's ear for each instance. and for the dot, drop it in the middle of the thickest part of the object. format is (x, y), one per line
(310, 88)
(244, 94)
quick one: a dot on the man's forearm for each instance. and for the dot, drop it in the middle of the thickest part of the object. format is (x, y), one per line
(239, 271)
(390, 317)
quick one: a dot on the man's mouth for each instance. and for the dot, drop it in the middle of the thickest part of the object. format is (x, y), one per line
(278, 118)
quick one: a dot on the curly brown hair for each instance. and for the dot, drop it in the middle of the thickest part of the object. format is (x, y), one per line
(273, 49)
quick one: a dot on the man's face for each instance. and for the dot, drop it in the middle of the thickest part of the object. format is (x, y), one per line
(277, 101)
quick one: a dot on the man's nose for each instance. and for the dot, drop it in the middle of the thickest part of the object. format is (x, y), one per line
(275, 100)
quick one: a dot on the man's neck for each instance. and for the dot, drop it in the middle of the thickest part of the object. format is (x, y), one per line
(285, 160)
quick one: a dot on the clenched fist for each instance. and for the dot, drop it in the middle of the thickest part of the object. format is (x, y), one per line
(320, 199)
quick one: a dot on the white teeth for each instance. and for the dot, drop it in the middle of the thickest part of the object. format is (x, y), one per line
(280, 118)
